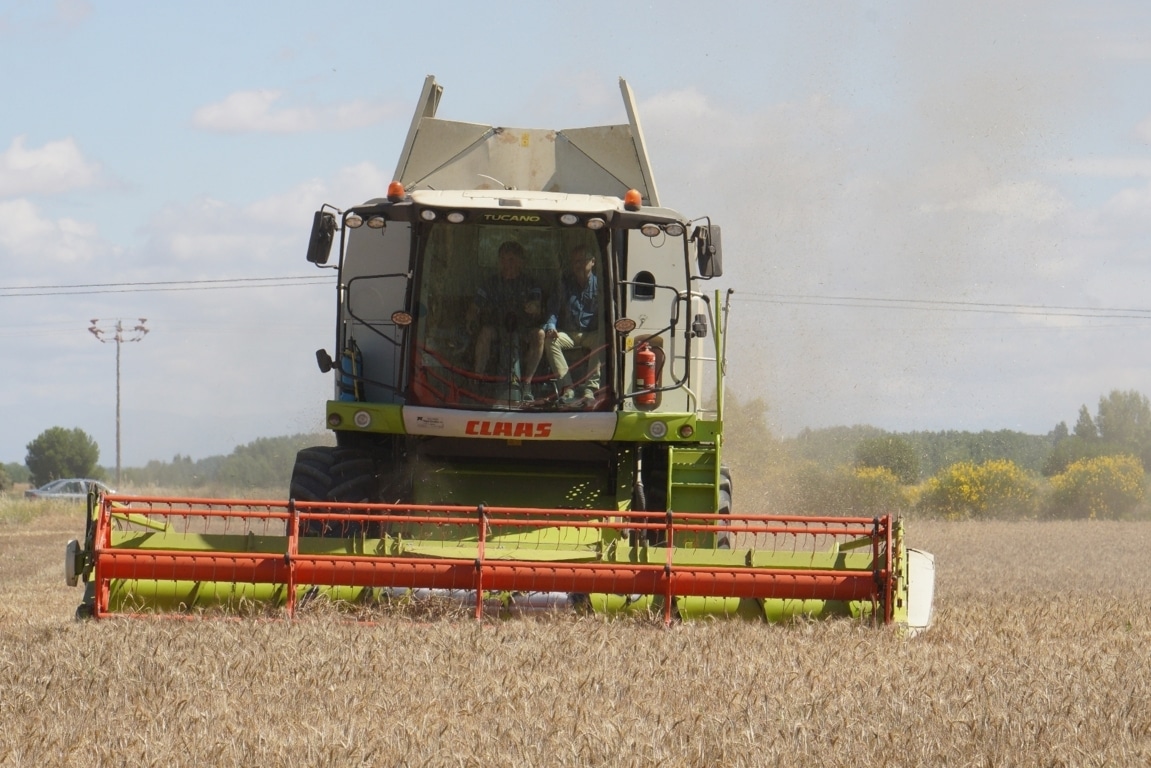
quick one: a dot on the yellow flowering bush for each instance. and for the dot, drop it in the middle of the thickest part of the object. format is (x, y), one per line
(992, 489)
(1105, 487)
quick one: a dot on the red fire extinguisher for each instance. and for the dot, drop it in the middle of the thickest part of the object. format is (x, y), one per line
(645, 374)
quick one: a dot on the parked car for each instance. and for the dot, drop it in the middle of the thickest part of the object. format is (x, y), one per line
(72, 489)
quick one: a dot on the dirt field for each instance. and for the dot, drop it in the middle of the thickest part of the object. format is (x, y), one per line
(1039, 656)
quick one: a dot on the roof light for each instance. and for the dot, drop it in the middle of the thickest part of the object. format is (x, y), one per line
(376, 222)
(650, 229)
(596, 223)
(568, 218)
(396, 192)
(657, 430)
(353, 221)
(632, 200)
(428, 214)
(456, 217)
(675, 229)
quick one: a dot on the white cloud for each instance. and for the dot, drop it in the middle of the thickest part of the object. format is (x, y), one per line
(1029, 200)
(348, 186)
(26, 234)
(1143, 130)
(56, 167)
(1106, 166)
(72, 12)
(272, 230)
(1128, 211)
(686, 103)
(257, 112)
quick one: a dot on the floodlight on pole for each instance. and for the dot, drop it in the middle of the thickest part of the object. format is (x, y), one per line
(119, 335)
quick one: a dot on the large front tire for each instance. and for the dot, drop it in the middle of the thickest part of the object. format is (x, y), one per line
(325, 473)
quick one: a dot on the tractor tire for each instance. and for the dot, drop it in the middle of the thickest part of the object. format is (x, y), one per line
(325, 473)
(655, 471)
(725, 540)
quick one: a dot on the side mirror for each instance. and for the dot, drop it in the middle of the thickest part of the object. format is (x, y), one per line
(320, 242)
(324, 360)
(709, 253)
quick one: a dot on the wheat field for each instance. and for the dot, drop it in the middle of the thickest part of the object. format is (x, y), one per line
(1038, 657)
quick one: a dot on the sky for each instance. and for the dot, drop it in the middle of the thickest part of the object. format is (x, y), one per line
(935, 216)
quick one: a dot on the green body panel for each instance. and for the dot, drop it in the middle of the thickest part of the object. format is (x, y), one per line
(693, 479)
(510, 485)
(631, 426)
(147, 595)
(143, 595)
(386, 418)
(719, 607)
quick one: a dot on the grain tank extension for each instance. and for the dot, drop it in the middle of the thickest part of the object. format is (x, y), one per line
(528, 371)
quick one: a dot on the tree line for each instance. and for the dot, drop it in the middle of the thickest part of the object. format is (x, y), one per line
(1093, 470)
(265, 463)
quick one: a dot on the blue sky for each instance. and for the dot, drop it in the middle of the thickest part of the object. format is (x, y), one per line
(933, 218)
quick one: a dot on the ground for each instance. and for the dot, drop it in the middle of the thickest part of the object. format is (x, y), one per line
(1037, 657)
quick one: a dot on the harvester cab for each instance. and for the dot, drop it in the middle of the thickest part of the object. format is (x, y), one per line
(527, 407)
(521, 323)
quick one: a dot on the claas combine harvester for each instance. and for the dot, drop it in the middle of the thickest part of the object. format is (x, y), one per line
(528, 415)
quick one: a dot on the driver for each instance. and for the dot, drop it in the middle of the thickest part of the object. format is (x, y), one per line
(512, 300)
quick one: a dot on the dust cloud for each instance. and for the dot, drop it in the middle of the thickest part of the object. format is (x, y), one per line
(875, 221)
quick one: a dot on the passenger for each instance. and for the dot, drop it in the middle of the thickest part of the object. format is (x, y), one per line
(514, 302)
(574, 323)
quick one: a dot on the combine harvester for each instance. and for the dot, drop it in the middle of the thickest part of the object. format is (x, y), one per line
(528, 415)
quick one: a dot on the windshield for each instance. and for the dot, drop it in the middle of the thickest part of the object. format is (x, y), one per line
(511, 318)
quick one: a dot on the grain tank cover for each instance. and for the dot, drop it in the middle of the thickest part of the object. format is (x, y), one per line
(599, 160)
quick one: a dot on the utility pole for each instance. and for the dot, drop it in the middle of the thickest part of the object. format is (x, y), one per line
(120, 335)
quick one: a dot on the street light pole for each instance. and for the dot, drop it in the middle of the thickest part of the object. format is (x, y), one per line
(136, 333)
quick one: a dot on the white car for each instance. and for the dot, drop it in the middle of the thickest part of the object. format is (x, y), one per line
(72, 489)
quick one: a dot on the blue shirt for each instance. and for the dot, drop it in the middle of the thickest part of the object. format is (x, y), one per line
(576, 308)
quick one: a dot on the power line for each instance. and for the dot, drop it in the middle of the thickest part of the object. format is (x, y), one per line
(80, 289)
(942, 305)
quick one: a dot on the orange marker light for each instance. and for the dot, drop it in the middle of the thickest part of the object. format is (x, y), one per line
(632, 200)
(396, 192)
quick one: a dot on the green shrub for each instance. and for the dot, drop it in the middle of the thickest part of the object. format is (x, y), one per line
(809, 489)
(889, 452)
(876, 491)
